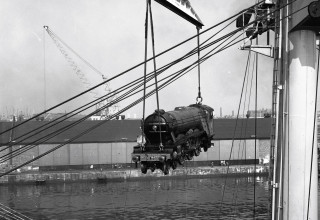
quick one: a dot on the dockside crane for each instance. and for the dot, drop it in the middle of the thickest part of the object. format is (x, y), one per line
(65, 51)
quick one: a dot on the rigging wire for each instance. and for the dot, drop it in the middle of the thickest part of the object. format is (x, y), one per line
(86, 131)
(242, 135)
(234, 132)
(255, 137)
(240, 101)
(202, 61)
(128, 70)
(145, 72)
(155, 74)
(211, 55)
(60, 131)
(314, 131)
(163, 69)
(97, 100)
(44, 71)
(57, 131)
(129, 106)
(9, 213)
(255, 132)
(64, 116)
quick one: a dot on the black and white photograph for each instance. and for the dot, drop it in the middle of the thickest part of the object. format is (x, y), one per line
(159, 109)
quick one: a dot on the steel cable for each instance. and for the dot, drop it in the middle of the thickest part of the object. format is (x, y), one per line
(128, 70)
(99, 99)
(163, 85)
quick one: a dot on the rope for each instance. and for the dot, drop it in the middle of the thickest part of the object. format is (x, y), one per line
(128, 70)
(163, 68)
(155, 74)
(44, 70)
(14, 213)
(58, 131)
(145, 72)
(205, 58)
(234, 133)
(234, 199)
(172, 79)
(255, 138)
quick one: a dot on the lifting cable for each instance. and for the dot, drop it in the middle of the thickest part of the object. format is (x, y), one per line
(88, 130)
(126, 71)
(155, 74)
(102, 122)
(145, 72)
(130, 95)
(204, 60)
(64, 118)
(210, 55)
(199, 98)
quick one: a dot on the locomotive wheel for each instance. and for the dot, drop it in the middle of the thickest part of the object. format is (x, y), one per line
(165, 168)
(189, 156)
(181, 160)
(144, 168)
(174, 164)
(197, 152)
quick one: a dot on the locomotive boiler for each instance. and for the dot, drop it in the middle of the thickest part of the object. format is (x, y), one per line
(172, 137)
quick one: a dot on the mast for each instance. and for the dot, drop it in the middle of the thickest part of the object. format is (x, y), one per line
(299, 149)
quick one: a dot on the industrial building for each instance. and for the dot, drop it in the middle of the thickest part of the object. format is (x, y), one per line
(110, 144)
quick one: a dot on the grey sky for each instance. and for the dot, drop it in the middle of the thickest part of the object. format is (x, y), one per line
(110, 35)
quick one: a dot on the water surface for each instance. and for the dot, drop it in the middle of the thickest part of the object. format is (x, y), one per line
(183, 198)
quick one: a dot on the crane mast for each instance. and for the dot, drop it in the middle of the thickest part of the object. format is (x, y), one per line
(63, 48)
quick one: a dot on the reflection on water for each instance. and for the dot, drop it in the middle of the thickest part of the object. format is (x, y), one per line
(147, 199)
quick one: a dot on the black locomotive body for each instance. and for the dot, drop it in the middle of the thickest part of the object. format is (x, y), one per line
(173, 137)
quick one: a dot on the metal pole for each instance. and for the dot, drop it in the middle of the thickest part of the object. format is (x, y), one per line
(301, 101)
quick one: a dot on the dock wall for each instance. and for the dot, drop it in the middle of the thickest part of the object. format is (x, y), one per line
(129, 174)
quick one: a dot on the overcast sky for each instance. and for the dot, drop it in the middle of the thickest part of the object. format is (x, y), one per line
(110, 35)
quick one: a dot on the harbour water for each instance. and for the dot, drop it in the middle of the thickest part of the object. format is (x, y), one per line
(180, 198)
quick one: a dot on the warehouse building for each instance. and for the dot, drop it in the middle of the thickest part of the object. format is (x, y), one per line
(110, 144)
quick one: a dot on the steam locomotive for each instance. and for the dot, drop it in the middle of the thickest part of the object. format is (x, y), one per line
(172, 137)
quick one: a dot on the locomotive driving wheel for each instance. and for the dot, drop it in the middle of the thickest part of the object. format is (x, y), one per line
(144, 168)
(197, 151)
(165, 168)
(174, 164)
(189, 156)
(181, 159)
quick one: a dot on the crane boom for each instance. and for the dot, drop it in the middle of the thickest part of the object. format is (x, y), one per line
(63, 49)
